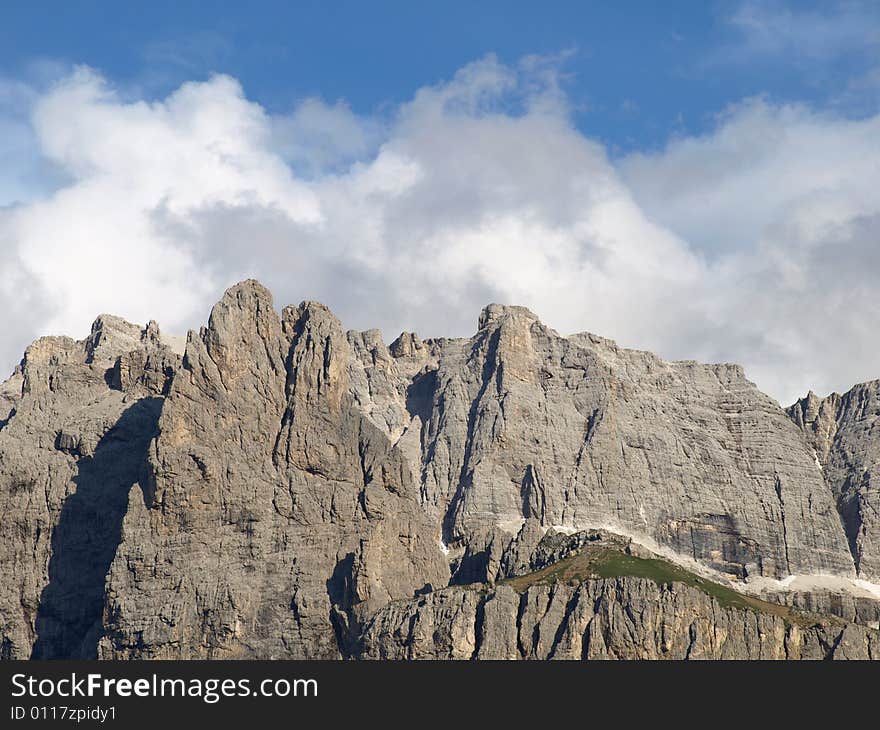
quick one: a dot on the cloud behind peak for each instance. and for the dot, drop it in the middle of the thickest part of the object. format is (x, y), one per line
(743, 244)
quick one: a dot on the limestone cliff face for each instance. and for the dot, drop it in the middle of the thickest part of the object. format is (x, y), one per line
(287, 488)
(844, 430)
(620, 618)
(578, 432)
(82, 416)
(275, 512)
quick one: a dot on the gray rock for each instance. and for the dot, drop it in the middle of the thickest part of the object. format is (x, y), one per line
(578, 432)
(620, 618)
(855, 609)
(289, 489)
(844, 430)
(70, 451)
(277, 513)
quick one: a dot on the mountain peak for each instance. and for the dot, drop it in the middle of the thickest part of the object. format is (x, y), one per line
(492, 313)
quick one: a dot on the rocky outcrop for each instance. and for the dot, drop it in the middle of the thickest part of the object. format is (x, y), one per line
(844, 431)
(580, 433)
(620, 618)
(82, 417)
(857, 609)
(287, 488)
(276, 513)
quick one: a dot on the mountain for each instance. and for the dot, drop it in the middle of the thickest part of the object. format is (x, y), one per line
(286, 489)
(844, 431)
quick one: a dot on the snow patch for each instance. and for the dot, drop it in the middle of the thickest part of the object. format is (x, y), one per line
(872, 588)
(813, 582)
(753, 585)
(646, 542)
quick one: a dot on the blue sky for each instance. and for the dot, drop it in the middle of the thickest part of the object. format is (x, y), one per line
(701, 179)
(636, 72)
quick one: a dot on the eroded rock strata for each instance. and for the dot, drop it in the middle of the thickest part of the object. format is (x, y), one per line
(289, 489)
(619, 618)
(844, 430)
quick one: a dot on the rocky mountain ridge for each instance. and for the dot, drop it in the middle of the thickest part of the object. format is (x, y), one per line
(289, 489)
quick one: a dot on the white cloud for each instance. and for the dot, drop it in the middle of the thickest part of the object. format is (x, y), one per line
(745, 245)
(319, 137)
(783, 202)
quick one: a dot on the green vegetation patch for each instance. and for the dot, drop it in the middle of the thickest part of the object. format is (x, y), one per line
(599, 562)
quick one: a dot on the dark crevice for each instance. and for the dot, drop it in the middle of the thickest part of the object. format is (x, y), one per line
(587, 636)
(849, 507)
(479, 620)
(5, 421)
(782, 520)
(288, 415)
(520, 612)
(491, 371)
(846, 494)
(563, 624)
(420, 395)
(536, 629)
(340, 591)
(692, 640)
(830, 650)
(532, 495)
(69, 618)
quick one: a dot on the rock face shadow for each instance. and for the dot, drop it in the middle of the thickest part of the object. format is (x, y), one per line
(340, 591)
(69, 618)
(5, 421)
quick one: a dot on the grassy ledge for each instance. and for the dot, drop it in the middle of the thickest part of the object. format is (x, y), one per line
(600, 562)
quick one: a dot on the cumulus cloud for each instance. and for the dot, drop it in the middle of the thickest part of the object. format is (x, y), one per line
(747, 244)
(782, 203)
(318, 137)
